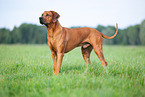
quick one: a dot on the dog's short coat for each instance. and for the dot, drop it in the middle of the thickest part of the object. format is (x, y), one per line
(61, 40)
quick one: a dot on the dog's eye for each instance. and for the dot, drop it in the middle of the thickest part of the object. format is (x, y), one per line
(42, 14)
(47, 15)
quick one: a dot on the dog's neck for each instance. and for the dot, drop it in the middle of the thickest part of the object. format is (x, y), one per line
(52, 29)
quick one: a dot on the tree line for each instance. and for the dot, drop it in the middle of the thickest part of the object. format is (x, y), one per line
(34, 34)
(24, 34)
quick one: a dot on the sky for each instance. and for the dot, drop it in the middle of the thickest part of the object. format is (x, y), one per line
(89, 13)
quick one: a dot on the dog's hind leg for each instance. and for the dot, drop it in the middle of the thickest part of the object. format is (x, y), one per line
(86, 54)
(98, 50)
(97, 46)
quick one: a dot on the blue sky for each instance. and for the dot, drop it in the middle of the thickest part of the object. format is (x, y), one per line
(73, 12)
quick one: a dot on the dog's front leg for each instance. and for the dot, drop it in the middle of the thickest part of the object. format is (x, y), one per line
(58, 62)
(54, 57)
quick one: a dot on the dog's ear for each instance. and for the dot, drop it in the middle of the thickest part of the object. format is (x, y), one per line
(55, 16)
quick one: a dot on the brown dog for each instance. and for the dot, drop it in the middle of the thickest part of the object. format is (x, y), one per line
(61, 40)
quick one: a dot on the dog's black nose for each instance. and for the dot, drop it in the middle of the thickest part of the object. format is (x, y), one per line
(40, 18)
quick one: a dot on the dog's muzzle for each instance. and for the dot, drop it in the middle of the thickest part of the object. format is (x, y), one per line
(41, 20)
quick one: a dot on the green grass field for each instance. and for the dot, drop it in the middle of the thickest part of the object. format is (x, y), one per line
(27, 71)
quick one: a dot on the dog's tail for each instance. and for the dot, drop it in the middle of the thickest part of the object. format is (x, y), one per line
(107, 37)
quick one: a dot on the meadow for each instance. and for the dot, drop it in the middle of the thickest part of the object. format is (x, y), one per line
(27, 71)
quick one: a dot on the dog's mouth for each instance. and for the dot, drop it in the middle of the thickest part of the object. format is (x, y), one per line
(41, 20)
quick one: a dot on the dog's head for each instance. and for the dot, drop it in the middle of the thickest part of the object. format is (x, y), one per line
(49, 17)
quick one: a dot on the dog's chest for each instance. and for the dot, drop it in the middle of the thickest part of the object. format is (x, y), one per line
(55, 43)
(52, 42)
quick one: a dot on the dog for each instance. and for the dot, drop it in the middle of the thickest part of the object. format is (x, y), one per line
(62, 40)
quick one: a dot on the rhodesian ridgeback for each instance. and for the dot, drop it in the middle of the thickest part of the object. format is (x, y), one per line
(61, 40)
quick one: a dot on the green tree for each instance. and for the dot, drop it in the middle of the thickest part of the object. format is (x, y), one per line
(26, 32)
(133, 34)
(32, 34)
(142, 33)
(40, 35)
(100, 28)
(16, 35)
(122, 37)
(5, 36)
(109, 31)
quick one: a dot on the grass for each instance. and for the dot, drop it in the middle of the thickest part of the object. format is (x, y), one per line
(27, 71)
